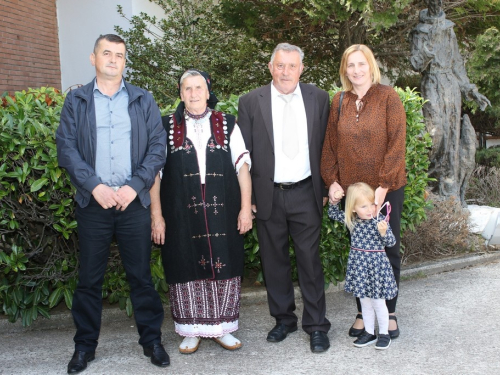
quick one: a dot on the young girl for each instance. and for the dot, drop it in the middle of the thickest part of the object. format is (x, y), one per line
(369, 273)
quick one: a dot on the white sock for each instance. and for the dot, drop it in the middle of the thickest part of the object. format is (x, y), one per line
(382, 315)
(368, 315)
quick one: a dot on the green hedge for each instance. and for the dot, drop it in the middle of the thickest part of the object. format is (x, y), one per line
(38, 241)
(489, 157)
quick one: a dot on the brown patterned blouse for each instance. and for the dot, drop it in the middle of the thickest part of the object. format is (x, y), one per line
(368, 146)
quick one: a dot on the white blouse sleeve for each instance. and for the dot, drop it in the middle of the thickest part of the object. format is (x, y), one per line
(239, 153)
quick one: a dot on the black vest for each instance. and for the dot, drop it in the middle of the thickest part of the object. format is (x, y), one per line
(202, 240)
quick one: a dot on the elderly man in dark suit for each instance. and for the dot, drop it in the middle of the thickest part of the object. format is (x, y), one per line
(283, 124)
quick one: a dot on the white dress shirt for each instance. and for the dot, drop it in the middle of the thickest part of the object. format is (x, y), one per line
(298, 168)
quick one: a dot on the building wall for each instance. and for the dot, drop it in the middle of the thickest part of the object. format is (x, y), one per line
(29, 45)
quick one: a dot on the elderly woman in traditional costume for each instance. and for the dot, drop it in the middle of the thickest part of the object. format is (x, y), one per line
(200, 209)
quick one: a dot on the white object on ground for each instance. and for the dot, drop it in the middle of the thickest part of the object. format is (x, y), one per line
(485, 220)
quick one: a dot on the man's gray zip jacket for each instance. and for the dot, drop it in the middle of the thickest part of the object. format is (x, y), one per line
(76, 141)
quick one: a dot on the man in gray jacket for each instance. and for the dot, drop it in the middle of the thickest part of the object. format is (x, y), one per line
(112, 143)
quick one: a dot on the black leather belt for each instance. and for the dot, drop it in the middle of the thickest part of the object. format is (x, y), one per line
(290, 185)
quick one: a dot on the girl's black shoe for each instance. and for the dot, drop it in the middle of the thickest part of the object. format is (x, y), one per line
(365, 339)
(383, 342)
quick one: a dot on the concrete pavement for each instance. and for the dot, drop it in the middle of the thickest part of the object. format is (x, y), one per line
(448, 320)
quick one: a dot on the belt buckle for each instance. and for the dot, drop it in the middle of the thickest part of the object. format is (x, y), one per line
(286, 186)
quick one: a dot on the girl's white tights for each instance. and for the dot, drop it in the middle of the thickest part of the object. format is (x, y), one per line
(371, 307)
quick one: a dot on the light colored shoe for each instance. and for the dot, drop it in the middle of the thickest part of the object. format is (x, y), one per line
(228, 342)
(189, 345)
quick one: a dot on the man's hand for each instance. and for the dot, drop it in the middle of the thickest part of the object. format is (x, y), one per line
(335, 193)
(106, 196)
(254, 210)
(127, 195)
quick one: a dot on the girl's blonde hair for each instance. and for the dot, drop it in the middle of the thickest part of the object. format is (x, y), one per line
(372, 63)
(354, 192)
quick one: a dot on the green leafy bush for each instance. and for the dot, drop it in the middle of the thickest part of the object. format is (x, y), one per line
(488, 157)
(38, 246)
(418, 142)
(482, 68)
(38, 241)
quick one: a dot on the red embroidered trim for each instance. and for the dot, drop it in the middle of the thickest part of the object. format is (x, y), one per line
(239, 158)
(369, 250)
(218, 125)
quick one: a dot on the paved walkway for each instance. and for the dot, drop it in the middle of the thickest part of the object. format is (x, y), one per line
(449, 325)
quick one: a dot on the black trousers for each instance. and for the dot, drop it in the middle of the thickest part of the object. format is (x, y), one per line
(294, 214)
(132, 229)
(396, 199)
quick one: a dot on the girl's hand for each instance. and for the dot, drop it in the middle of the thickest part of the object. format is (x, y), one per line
(382, 227)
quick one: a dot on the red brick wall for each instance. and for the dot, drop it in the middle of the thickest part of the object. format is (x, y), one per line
(29, 45)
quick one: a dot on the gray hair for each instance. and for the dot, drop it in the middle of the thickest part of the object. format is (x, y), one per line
(190, 73)
(287, 48)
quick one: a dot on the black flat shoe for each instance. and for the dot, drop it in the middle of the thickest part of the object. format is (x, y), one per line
(158, 355)
(364, 340)
(319, 342)
(79, 361)
(280, 332)
(356, 332)
(395, 332)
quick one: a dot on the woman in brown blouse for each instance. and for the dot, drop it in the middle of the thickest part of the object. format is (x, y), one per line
(365, 142)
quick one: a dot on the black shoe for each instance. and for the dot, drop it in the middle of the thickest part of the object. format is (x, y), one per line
(356, 332)
(280, 331)
(319, 342)
(159, 356)
(79, 361)
(383, 342)
(395, 332)
(365, 339)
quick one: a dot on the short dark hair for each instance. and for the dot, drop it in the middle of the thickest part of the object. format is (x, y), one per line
(113, 38)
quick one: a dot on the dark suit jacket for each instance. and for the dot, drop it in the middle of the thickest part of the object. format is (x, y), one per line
(256, 124)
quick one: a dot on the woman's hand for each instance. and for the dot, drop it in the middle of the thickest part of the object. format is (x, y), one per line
(380, 194)
(158, 229)
(245, 220)
(335, 193)
(382, 227)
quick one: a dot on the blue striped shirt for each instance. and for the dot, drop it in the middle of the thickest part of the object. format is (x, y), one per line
(113, 163)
